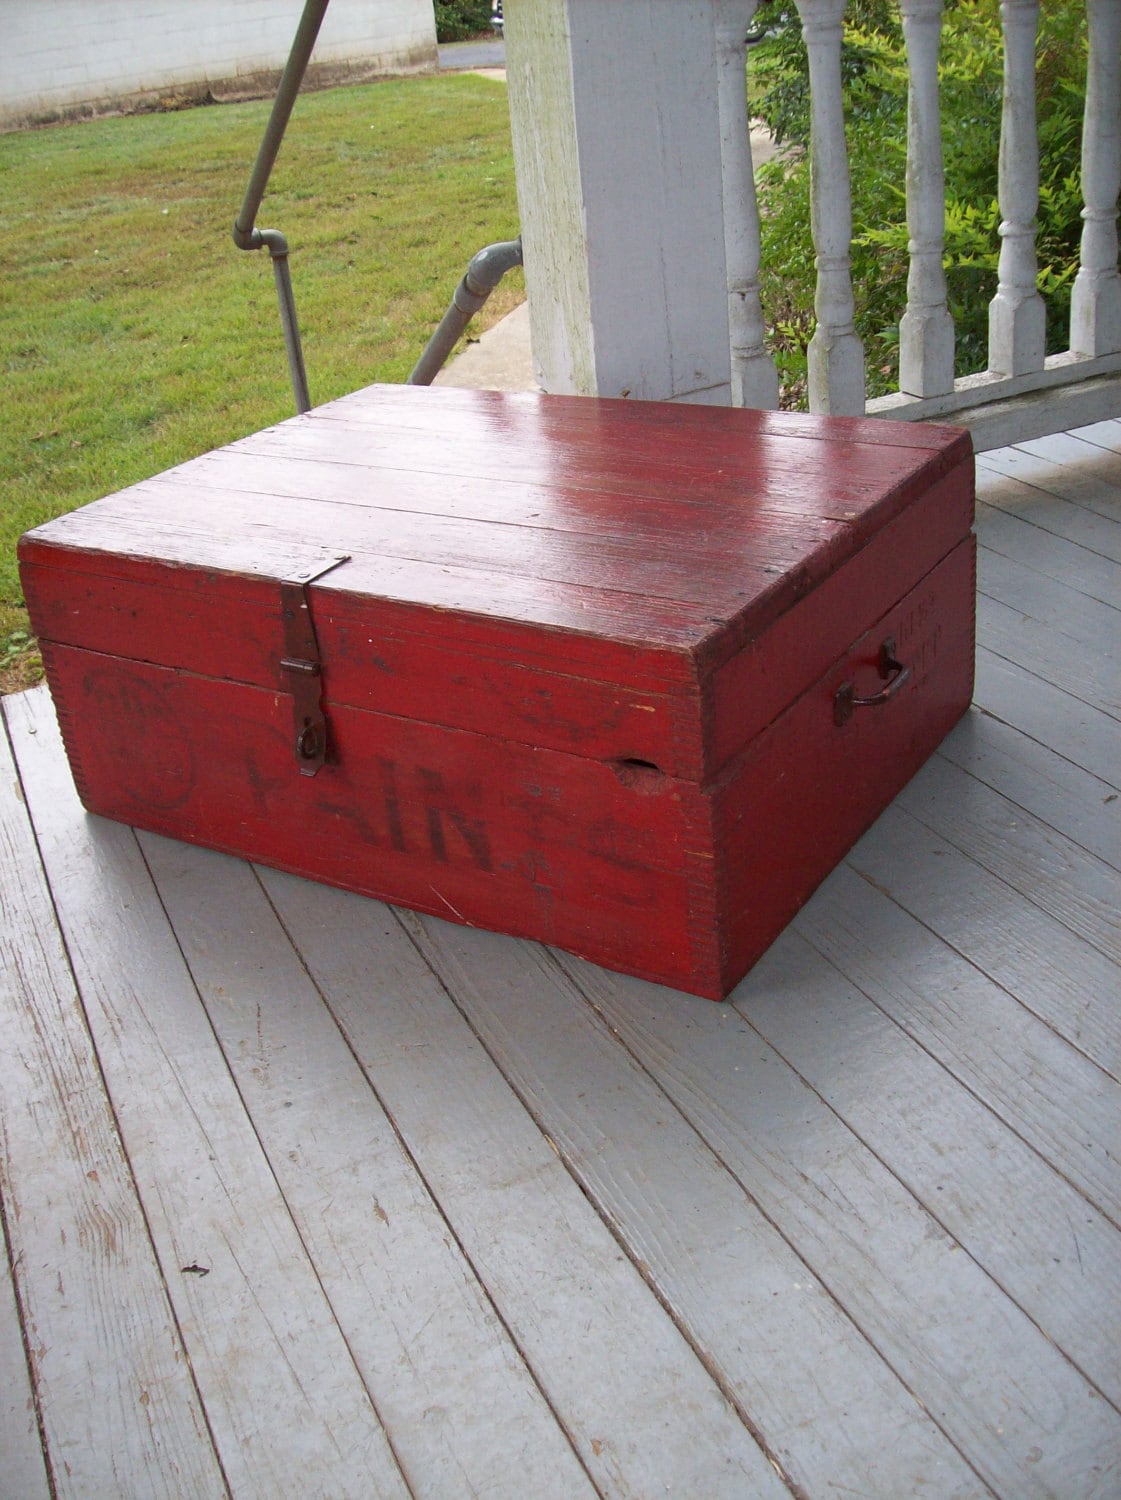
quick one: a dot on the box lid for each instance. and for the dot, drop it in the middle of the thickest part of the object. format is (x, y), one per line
(560, 570)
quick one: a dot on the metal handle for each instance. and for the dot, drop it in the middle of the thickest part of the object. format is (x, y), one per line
(845, 701)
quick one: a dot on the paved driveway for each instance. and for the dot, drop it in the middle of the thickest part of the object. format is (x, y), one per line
(462, 56)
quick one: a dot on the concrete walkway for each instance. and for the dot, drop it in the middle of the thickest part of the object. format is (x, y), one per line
(500, 361)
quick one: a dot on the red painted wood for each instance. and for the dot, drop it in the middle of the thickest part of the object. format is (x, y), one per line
(539, 592)
(602, 860)
(737, 555)
(399, 403)
(741, 560)
(806, 789)
(755, 682)
(610, 861)
(468, 680)
(266, 469)
(869, 483)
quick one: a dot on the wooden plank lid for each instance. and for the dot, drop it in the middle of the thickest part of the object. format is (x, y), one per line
(563, 570)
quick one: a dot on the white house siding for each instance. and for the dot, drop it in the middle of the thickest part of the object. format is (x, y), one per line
(62, 58)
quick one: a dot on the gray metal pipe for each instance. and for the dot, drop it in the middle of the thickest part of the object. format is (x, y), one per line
(291, 327)
(484, 271)
(246, 235)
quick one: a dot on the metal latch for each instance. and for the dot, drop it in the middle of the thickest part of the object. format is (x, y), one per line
(301, 667)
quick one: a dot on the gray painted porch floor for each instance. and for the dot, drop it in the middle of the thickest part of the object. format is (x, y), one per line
(304, 1196)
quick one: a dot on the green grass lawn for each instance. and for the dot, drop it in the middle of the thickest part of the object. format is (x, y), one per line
(134, 335)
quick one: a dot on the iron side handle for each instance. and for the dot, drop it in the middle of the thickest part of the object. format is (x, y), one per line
(845, 701)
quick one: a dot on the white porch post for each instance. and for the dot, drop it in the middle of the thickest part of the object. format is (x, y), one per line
(616, 123)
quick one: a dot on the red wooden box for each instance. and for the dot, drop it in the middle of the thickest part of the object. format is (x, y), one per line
(627, 678)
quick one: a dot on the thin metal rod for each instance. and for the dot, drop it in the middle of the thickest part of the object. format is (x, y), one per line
(291, 330)
(246, 235)
(289, 87)
(484, 271)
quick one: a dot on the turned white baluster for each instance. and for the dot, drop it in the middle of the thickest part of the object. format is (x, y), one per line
(1095, 313)
(926, 332)
(1017, 321)
(836, 355)
(754, 377)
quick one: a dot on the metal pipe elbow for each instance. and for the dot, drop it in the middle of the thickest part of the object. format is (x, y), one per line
(246, 239)
(484, 271)
(256, 239)
(487, 267)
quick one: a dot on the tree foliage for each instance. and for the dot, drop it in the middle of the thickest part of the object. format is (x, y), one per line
(874, 76)
(456, 20)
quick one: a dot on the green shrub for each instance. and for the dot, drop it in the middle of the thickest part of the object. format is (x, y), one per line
(456, 20)
(874, 74)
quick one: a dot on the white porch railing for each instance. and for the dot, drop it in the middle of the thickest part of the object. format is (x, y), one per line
(621, 108)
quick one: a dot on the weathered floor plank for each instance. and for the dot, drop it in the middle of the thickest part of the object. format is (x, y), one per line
(281, 1393)
(1053, 789)
(1051, 512)
(872, 1220)
(1092, 486)
(1085, 736)
(1072, 613)
(1105, 434)
(803, 1373)
(413, 1314)
(1048, 869)
(642, 1410)
(25, 1471)
(1009, 534)
(106, 1355)
(1089, 461)
(1038, 963)
(1049, 1093)
(1060, 634)
(982, 1183)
